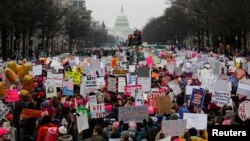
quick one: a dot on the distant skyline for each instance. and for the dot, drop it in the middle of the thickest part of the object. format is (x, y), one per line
(137, 11)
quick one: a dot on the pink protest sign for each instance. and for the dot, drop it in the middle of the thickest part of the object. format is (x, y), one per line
(244, 110)
(149, 61)
(128, 89)
(12, 96)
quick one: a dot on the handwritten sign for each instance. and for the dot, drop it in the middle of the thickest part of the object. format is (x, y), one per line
(163, 105)
(198, 121)
(56, 79)
(175, 87)
(37, 70)
(121, 84)
(138, 95)
(112, 84)
(68, 88)
(197, 98)
(30, 113)
(82, 122)
(3, 110)
(244, 110)
(75, 76)
(137, 114)
(152, 99)
(221, 98)
(97, 107)
(128, 89)
(174, 127)
(145, 82)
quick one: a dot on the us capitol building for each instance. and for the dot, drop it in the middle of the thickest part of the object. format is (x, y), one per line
(121, 28)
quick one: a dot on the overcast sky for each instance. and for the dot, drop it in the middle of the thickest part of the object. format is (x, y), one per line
(137, 11)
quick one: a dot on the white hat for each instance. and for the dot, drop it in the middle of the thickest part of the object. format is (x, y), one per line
(63, 130)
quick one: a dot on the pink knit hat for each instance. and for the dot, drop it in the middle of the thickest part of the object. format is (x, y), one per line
(226, 122)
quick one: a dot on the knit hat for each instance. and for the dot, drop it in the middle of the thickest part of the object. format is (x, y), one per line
(125, 135)
(226, 122)
(212, 106)
(116, 124)
(174, 116)
(151, 110)
(63, 130)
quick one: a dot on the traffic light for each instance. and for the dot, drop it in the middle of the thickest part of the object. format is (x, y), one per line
(130, 40)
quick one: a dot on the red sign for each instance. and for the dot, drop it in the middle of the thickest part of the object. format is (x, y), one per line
(128, 89)
(152, 99)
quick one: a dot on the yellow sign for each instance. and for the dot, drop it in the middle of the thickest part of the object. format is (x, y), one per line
(116, 71)
(75, 76)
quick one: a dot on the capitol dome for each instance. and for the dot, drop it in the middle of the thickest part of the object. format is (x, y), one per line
(122, 20)
(121, 28)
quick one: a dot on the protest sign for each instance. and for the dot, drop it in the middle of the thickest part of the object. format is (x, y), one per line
(244, 110)
(56, 79)
(248, 67)
(89, 81)
(198, 121)
(178, 71)
(3, 110)
(174, 127)
(138, 95)
(221, 98)
(136, 114)
(243, 89)
(189, 89)
(163, 105)
(144, 72)
(118, 139)
(221, 85)
(149, 61)
(131, 68)
(152, 99)
(121, 84)
(145, 82)
(114, 62)
(197, 98)
(51, 90)
(97, 107)
(175, 87)
(68, 88)
(128, 89)
(112, 84)
(171, 68)
(82, 122)
(30, 113)
(37, 70)
(100, 82)
(74, 76)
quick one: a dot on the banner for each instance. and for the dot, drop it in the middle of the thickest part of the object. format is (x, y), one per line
(128, 89)
(221, 98)
(197, 98)
(198, 121)
(174, 127)
(68, 88)
(137, 114)
(97, 107)
(244, 110)
(164, 106)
